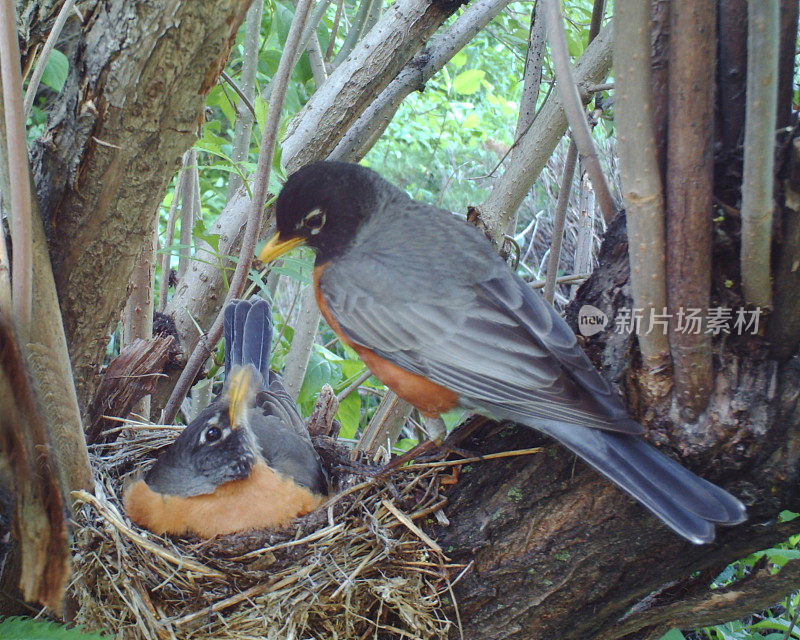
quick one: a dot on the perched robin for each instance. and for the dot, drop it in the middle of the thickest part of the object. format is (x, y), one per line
(246, 461)
(438, 316)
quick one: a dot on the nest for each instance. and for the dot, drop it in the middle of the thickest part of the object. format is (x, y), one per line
(359, 567)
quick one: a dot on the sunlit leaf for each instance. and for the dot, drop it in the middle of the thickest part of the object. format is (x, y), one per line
(469, 81)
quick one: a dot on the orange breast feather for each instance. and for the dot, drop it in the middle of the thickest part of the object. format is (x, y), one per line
(430, 398)
(264, 499)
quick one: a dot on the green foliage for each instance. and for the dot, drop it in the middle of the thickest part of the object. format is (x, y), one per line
(772, 624)
(18, 628)
(56, 71)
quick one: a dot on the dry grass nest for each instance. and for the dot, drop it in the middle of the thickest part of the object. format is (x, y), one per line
(359, 567)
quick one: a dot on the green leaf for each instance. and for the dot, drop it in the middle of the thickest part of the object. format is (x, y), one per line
(459, 60)
(18, 628)
(469, 81)
(56, 71)
(405, 444)
(200, 232)
(349, 415)
(673, 634)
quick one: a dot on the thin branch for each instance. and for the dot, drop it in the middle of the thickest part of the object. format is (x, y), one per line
(17, 158)
(353, 386)
(536, 146)
(305, 330)
(5, 264)
(532, 77)
(189, 207)
(240, 92)
(279, 85)
(44, 56)
(311, 26)
(169, 237)
(334, 29)
(559, 217)
(763, 33)
(641, 179)
(573, 107)
(371, 124)
(355, 33)
(243, 128)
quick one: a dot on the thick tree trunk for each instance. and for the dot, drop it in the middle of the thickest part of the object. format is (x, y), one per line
(132, 105)
(559, 552)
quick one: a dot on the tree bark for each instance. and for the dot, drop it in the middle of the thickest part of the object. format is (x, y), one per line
(689, 191)
(642, 188)
(559, 552)
(130, 108)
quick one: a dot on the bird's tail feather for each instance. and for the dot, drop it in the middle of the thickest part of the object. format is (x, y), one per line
(688, 504)
(248, 335)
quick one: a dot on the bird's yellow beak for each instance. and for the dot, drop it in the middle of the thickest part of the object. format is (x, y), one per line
(276, 247)
(238, 396)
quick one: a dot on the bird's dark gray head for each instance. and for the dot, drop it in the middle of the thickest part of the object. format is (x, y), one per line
(323, 206)
(217, 446)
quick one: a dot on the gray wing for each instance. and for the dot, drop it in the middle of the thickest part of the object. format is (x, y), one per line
(494, 342)
(283, 439)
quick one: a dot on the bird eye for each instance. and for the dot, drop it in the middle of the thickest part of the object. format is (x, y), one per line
(213, 434)
(314, 221)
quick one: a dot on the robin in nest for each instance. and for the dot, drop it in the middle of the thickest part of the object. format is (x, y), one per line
(247, 460)
(438, 316)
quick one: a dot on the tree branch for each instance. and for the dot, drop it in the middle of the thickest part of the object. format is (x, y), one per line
(375, 61)
(260, 187)
(44, 56)
(17, 158)
(573, 107)
(534, 149)
(559, 217)
(763, 34)
(689, 190)
(189, 207)
(641, 179)
(376, 117)
(305, 330)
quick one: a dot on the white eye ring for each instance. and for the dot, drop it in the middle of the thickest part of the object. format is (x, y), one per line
(314, 221)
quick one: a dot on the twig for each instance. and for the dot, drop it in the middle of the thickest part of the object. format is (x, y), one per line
(403, 518)
(763, 32)
(243, 128)
(334, 29)
(260, 188)
(188, 210)
(169, 236)
(560, 216)
(789, 630)
(240, 93)
(573, 108)
(44, 56)
(455, 463)
(17, 159)
(354, 385)
(575, 278)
